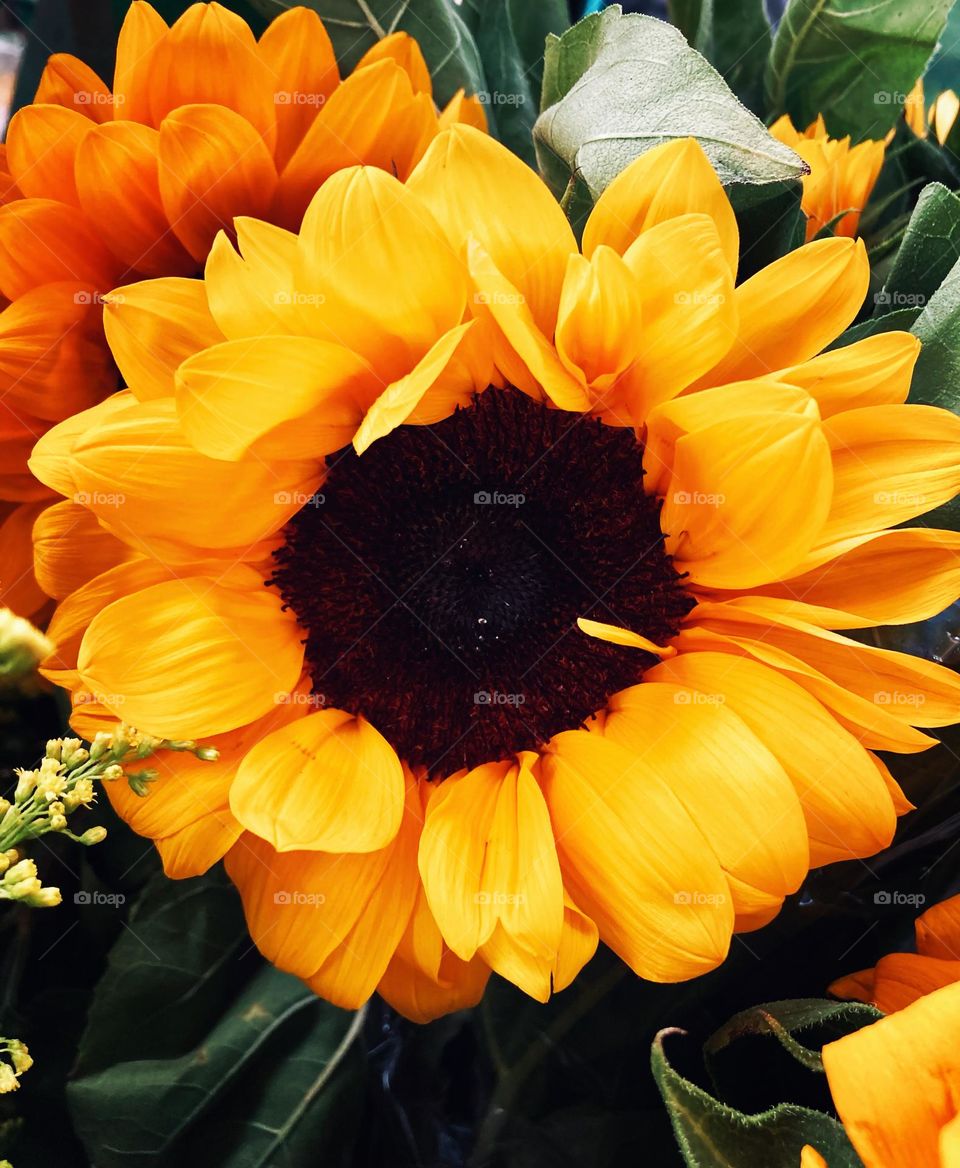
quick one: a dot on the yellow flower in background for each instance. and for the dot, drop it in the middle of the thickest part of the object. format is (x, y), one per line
(841, 176)
(104, 187)
(22, 647)
(896, 1085)
(901, 978)
(505, 655)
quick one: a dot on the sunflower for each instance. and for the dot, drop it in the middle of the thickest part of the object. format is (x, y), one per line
(841, 176)
(203, 123)
(503, 574)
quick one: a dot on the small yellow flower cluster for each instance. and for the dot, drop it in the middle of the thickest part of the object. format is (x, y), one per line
(20, 1061)
(21, 646)
(63, 781)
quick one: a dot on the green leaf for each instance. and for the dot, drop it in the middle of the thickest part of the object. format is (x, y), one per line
(850, 61)
(617, 85)
(713, 1135)
(930, 248)
(902, 319)
(735, 37)
(785, 1019)
(509, 99)
(770, 222)
(193, 1043)
(936, 377)
(356, 25)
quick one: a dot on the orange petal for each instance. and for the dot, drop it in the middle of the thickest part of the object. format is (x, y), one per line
(43, 241)
(210, 56)
(67, 81)
(938, 930)
(19, 589)
(70, 548)
(303, 71)
(213, 166)
(117, 178)
(867, 1072)
(42, 145)
(142, 30)
(402, 48)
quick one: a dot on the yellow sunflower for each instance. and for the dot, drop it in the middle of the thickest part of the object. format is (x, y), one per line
(503, 573)
(841, 178)
(102, 187)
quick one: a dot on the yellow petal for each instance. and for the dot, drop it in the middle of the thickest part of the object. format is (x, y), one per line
(873, 372)
(616, 635)
(206, 659)
(328, 783)
(152, 327)
(491, 874)
(70, 548)
(890, 464)
(665, 910)
(730, 783)
(671, 180)
(399, 401)
(794, 307)
(228, 404)
(847, 808)
(747, 497)
(500, 301)
(404, 50)
(361, 224)
(475, 187)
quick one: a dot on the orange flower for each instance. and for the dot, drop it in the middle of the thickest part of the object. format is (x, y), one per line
(841, 176)
(901, 978)
(941, 117)
(101, 188)
(896, 1084)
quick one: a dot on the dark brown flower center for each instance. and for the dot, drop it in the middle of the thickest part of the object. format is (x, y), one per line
(440, 575)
